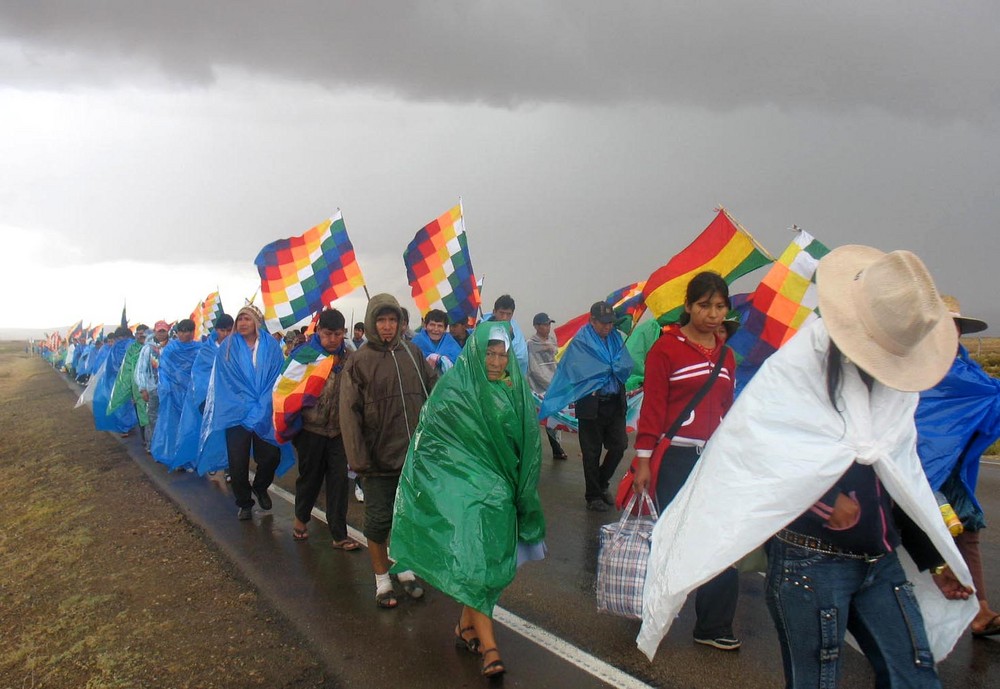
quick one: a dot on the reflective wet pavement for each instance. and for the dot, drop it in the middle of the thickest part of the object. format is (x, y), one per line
(329, 595)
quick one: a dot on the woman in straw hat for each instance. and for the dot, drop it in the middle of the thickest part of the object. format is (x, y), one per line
(956, 421)
(818, 458)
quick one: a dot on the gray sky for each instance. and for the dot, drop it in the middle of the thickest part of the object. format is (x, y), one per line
(151, 149)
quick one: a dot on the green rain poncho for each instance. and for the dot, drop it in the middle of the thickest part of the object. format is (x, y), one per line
(469, 488)
(126, 388)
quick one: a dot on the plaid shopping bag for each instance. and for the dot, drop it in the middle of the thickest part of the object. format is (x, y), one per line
(621, 563)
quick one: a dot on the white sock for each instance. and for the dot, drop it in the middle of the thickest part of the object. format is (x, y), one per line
(382, 583)
(407, 575)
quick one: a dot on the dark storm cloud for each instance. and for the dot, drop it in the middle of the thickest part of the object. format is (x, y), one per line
(918, 58)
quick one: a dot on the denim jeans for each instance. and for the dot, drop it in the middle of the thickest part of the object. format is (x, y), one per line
(814, 598)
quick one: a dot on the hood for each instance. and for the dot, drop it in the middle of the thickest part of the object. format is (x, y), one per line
(376, 304)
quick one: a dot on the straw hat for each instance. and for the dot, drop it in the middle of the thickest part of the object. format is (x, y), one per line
(966, 325)
(884, 313)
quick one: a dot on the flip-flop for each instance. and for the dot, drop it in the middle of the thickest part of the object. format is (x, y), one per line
(300, 534)
(346, 544)
(991, 629)
(386, 599)
(472, 644)
(412, 588)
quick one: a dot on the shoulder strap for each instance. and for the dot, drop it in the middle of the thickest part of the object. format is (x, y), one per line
(699, 396)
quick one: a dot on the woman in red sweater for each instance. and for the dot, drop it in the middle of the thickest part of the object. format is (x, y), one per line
(677, 367)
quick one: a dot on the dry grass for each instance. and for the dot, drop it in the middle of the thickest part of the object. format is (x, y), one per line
(103, 583)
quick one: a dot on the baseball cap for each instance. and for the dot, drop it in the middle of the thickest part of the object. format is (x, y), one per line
(541, 319)
(602, 312)
(161, 325)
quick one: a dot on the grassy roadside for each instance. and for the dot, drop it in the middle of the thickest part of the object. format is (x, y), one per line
(103, 583)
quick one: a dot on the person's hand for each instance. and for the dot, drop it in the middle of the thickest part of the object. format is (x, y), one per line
(145, 395)
(640, 481)
(950, 586)
(432, 359)
(846, 512)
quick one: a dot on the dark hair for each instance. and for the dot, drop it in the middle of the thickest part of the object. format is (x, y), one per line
(436, 316)
(224, 322)
(359, 326)
(835, 372)
(404, 315)
(185, 325)
(705, 284)
(504, 301)
(331, 319)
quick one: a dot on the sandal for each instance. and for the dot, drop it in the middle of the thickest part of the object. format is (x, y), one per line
(386, 599)
(494, 669)
(413, 589)
(300, 534)
(470, 645)
(346, 544)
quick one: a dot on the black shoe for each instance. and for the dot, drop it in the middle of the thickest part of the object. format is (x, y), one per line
(560, 455)
(606, 497)
(597, 505)
(244, 514)
(263, 499)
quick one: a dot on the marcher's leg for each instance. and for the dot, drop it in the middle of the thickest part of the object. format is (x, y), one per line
(678, 463)
(380, 494)
(808, 595)
(238, 449)
(557, 451)
(968, 545)
(590, 447)
(616, 441)
(268, 457)
(715, 606)
(492, 663)
(309, 448)
(886, 621)
(335, 459)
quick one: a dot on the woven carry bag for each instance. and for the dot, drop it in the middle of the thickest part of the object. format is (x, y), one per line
(621, 563)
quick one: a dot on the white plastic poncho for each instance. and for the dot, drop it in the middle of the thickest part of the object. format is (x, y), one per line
(780, 448)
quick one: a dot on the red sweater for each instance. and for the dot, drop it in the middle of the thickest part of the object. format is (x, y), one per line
(675, 371)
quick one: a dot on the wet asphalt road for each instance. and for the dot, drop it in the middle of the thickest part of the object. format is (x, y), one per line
(329, 595)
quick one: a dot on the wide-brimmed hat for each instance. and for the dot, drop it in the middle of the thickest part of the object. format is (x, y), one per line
(884, 313)
(966, 324)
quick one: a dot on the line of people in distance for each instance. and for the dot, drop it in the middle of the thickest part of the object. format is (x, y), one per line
(817, 460)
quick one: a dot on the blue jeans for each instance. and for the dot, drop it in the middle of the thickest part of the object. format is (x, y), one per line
(815, 597)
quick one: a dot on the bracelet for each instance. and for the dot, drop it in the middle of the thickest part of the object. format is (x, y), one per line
(939, 569)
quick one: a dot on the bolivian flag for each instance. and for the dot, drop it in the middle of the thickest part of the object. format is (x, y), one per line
(723, 247)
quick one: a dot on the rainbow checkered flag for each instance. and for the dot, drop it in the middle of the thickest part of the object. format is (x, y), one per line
(205, 313)
(439, 268)
(784, 301)
(301, 275)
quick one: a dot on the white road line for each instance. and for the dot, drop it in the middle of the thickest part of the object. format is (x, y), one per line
(594, 666)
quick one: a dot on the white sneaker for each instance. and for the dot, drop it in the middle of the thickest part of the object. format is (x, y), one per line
(359, 494)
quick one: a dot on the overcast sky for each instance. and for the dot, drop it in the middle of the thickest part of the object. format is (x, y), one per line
(150, 149)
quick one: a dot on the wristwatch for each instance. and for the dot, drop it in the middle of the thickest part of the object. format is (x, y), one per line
(939, 569)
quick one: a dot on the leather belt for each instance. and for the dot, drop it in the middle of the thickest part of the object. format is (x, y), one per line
(819, 546)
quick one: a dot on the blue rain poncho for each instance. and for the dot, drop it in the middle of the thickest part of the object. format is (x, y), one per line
(173, 378)
(189, 426)
(588, 365)
(956, 421)
(239, 394)
(124, 418)
(468, 495)
(447, 349)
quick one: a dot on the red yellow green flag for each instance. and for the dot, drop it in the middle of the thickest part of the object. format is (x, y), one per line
(724, 247)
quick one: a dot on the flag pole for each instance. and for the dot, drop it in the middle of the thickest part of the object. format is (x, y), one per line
(479, 308)
(753, 240)
(364, 286)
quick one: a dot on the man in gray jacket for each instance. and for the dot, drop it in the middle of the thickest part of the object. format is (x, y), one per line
(384, 385)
